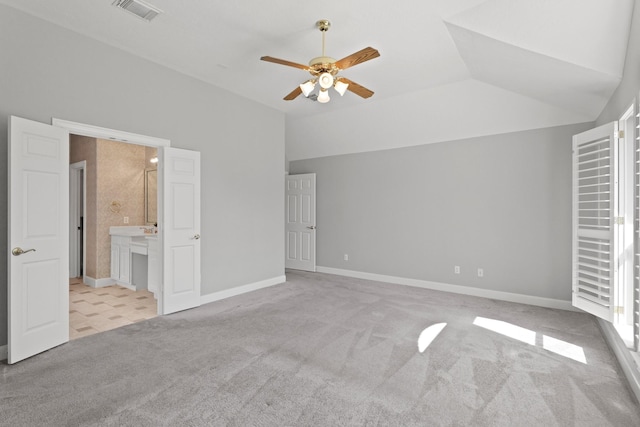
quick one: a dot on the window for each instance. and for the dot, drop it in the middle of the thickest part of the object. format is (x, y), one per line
(606, 212)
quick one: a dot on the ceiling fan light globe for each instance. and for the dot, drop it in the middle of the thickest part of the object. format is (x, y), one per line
(325, 80)
(341, 87)
(323, 96)
(307, 87)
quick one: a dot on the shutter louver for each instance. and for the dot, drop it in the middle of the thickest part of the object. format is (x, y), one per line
(594, 205)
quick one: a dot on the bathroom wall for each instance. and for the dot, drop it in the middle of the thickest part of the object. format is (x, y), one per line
(120, 188)
(115, 191)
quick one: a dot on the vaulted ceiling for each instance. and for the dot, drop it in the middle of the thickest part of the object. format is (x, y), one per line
(448, 69)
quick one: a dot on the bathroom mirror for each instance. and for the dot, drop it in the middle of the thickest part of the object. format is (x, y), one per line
(151, 196)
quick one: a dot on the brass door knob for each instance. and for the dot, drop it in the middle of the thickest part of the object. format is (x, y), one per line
(20, 251)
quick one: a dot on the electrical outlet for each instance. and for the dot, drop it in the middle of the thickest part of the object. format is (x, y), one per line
(456, 269)
(346, 257)
(480, 272)
(126, 220)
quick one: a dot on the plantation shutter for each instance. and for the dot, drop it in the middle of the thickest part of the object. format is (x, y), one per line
(594, 213)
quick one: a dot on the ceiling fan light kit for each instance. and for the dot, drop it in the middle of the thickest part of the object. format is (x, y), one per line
(307, 87)
(340, 87)
(323, 96)
(325, 69)
(326, 80)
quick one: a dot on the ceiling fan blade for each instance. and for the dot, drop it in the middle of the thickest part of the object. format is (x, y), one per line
(284, 62)
(357, 58)
(357, 89)
(294, 94)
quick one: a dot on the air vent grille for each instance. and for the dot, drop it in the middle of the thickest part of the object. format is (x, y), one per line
(139, 8)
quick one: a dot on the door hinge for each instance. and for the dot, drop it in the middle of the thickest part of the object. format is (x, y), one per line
(618, 309)
(621, 134)
(619, 220)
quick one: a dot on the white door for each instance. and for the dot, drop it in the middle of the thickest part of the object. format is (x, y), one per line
(38, 267)
(179, 221)
(595, 252)
(76, 216)
(300, 226)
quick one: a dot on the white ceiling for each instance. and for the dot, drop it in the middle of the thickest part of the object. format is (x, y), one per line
(523, 63)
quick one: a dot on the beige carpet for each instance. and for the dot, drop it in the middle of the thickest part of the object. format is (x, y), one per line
(323, 350)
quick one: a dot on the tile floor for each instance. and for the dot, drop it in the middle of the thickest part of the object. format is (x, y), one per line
(93, 310)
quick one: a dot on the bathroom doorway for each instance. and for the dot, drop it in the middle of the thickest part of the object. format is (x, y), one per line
(41, 151)
(108, 187)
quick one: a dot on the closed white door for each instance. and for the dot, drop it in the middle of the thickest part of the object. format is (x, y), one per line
(300, 226)
(179, 221)
(38, 268)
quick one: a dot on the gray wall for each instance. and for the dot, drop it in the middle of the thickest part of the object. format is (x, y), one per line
(630, 85)
(502, 203)
(47, 71)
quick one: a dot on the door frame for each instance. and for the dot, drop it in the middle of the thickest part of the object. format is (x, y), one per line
(74, 182)
(92, 131)
(624, 292)
(111, 134)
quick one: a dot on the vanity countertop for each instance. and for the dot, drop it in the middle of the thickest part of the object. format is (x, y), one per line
(133, 230)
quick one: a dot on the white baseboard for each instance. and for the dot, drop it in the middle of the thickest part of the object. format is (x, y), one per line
(456, 289)
(124, 285)
(227, 293)
(98, 283)
(629, 367)
(4, 352)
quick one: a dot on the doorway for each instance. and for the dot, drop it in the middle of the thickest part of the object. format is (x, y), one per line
(38, 213)
(104, 174)
(76, 218)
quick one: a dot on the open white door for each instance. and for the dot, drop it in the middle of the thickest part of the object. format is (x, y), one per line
(300, 224)
(179, 222)
(595, 254)
(76, 218)
(38, 246)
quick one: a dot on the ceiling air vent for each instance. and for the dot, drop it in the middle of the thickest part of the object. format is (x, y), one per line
(139, 8)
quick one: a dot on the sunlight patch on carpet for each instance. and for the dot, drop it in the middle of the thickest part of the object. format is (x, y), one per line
(507, 329)
(528, 336)
(428, 335)
(564, 348)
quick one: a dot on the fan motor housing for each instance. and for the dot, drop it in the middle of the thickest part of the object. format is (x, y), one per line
(323, 64)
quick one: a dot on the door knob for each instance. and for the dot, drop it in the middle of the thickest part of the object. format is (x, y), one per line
(311, 227)
(197, 236)
(20, 251)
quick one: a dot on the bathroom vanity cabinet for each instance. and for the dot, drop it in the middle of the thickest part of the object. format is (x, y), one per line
(121, 260)
(125, 243)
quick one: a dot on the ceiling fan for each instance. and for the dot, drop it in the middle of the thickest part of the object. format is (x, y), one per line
(325, 69)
